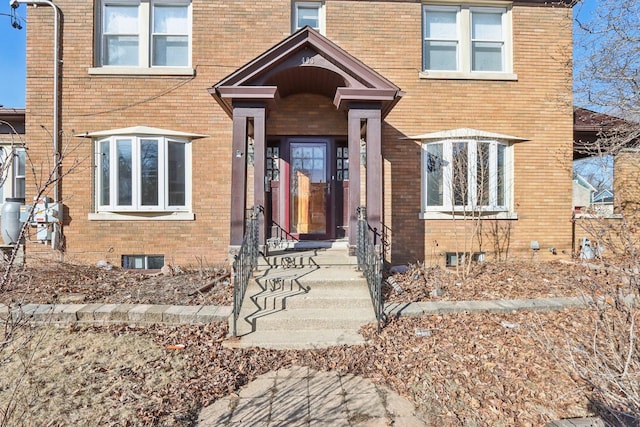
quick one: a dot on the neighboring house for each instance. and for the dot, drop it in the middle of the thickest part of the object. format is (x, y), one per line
(603, 202)
(12, 153)
(583, 193)
(185, 113)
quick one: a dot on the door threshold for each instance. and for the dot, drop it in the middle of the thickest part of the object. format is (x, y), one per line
(313, 244)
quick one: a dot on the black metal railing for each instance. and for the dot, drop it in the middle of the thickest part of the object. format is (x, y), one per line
(245, 261)
(370, 262)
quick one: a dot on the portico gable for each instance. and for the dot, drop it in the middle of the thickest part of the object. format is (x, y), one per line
(306, 63)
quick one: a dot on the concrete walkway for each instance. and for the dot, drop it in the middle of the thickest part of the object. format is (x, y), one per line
(303, 397)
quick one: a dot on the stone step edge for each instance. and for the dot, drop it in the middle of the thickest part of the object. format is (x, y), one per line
(117, 313)
(120, 313)
(418, 309)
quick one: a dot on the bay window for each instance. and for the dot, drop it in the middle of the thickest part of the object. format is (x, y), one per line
(142, 173)
(464, 175)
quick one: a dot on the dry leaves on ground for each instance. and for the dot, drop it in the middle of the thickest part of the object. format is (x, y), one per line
(47, 282)
(471, 370)
(490, 281)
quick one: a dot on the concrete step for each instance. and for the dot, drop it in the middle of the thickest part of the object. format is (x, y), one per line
(297, 340)
(305, 319)
(309, 276)
(304, 299)
(313, 298)
(306, 254)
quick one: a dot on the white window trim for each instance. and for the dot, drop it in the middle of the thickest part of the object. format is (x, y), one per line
(464, 71)
(146, 32)
(135, 211)
(321, 14)
(9, 153)
(448, 210)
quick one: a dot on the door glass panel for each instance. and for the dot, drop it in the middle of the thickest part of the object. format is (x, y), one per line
(308, 189)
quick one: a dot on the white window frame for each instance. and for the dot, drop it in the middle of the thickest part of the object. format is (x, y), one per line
(465, 52)
(11, 154)
(145, 36)
(163, 178)
(448, 208)
(308, 4)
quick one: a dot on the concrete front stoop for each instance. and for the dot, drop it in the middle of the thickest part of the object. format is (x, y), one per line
(301, 299)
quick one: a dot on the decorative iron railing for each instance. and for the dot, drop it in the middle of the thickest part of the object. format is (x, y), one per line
(245, 261)
(370, 262)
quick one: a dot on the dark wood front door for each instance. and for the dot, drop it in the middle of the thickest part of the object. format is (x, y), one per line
(307, 197)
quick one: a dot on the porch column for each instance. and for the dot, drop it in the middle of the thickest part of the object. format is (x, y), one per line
(371, 115)
(354, 173)
(241, 116)
(374, 169)
(259, 143)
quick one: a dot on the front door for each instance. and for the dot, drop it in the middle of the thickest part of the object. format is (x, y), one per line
(309, 190)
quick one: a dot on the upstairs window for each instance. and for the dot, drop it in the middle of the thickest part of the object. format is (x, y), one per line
(142, 173)
(466, 176)
(145, 33)
(466, 42)
(308, 13)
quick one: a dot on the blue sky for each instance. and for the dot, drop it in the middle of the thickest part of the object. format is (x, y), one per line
(13, 51)
(12, 58)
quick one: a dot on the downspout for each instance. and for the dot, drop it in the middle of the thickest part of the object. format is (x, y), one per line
(56, 104)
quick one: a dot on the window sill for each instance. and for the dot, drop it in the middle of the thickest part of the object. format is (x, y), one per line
(468, 215)
(142, 71)
(142, 216)
(459, 75)
(598, 216)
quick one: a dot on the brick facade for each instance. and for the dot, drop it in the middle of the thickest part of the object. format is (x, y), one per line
(386, 36)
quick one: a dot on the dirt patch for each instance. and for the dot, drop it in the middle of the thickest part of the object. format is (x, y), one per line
(49, 283)
(490, 281)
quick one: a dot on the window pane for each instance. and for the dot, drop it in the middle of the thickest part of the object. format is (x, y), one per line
(177, 173)
(125, 181)
(170, 19)
(441, 55)
(434, 170)
(502, 176)
(486, 26)
(120, 35)
(487, 56)
(105, 174)
(441, 25)
(308, 15)
(155, 262)
(460, 184)
(483, 174)
(120, 19)
(149, 172)
(121, 50)
(21, 164)
(170, 51)
(487, 41)
(170, 35)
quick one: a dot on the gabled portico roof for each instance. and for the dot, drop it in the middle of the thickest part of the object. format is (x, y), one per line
(306, 62)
